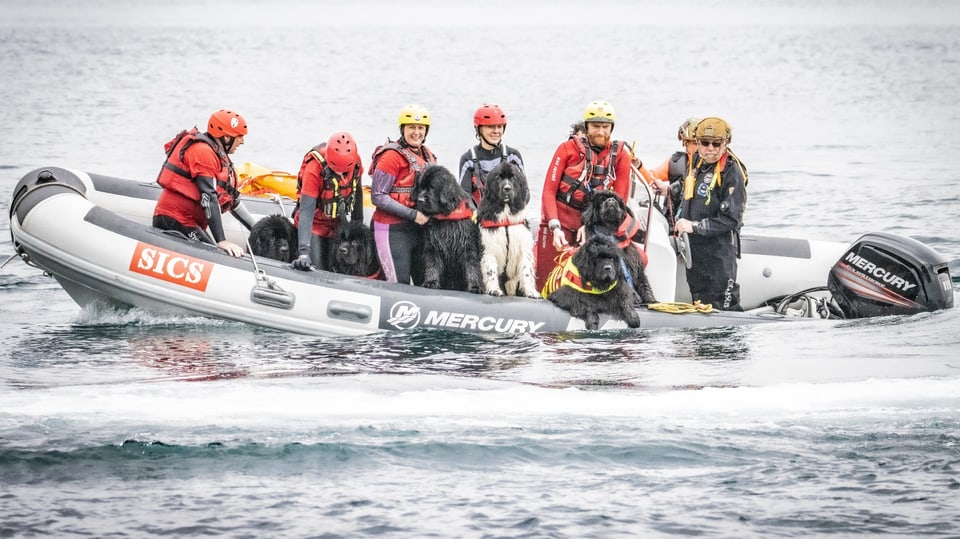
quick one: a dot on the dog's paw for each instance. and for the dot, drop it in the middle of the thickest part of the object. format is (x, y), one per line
(431, 284)
(591, 320)
(495, 292)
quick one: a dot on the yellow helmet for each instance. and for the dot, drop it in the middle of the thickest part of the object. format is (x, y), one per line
(599, 111)
(714, 127)
(688, 129)
(414, 114)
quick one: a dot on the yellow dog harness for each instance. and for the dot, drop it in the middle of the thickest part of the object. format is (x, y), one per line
(567, 274)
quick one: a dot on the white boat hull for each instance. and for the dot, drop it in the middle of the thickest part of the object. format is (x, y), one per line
(100, 256)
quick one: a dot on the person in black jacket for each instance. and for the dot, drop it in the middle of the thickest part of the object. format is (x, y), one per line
(714, 199)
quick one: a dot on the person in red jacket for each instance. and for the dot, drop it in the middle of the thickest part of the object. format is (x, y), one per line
(330, 191)
(397, 225)
(199, 182)
(579, 165)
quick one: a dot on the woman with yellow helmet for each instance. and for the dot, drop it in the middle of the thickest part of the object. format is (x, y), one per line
(397, 225)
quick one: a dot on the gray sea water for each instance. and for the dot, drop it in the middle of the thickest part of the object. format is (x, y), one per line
(132, 425)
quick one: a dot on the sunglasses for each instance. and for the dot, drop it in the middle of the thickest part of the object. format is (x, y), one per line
(714, 143)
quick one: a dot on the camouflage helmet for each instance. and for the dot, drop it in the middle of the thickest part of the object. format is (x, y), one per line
(714, 128)
(688, 129)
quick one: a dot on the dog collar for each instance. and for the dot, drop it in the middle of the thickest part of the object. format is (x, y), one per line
(463, 211)
(489, 223)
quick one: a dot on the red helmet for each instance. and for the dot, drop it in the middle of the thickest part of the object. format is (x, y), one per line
(226, 123)
(489, 115)
(342, 152)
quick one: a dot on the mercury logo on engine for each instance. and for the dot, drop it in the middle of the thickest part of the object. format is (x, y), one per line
(877, 272)
(170, 266)
(406, 315)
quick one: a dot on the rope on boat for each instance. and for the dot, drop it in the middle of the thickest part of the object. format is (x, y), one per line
(678, 307)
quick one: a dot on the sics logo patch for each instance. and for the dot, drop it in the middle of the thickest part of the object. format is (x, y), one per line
(170, 266)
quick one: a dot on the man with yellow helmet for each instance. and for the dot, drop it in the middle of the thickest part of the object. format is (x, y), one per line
(397, 225)
(579, 166)
(199, 182)
(714, 198)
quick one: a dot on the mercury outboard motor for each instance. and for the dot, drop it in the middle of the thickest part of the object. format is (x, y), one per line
(886, 274)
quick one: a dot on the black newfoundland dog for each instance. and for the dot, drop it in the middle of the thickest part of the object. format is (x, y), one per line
(451, 239)
(274, 237)
(605, 214)
(507, 263)
(592, 282)
(354, 251)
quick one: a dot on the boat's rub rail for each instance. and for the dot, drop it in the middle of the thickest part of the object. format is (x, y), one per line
(43, 180)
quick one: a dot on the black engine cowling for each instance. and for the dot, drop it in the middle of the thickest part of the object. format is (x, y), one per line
(886, 274)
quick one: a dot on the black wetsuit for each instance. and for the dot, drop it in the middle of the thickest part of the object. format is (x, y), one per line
(487, 159)
(716, 210)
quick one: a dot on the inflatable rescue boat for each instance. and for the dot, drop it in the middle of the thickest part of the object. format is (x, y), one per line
(93, 234)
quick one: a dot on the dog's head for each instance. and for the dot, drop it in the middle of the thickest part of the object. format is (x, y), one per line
(506, 185)
(599, 262)
(274, 237)
(604, 209)
(437, 191)
(354, 250)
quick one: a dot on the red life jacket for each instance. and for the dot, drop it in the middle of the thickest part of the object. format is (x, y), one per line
(403, 185)
(337, 195)
(175, 176)
(624, 236)
(626, 231)
(588, 174)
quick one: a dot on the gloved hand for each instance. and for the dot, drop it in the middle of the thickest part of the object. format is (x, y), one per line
(675, 189)
(302, 263)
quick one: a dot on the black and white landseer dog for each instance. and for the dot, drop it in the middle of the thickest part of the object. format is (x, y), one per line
(451, 239)
(592, 282)
(507, 263)
(354, 251)
(604, 213)
(274, 237)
